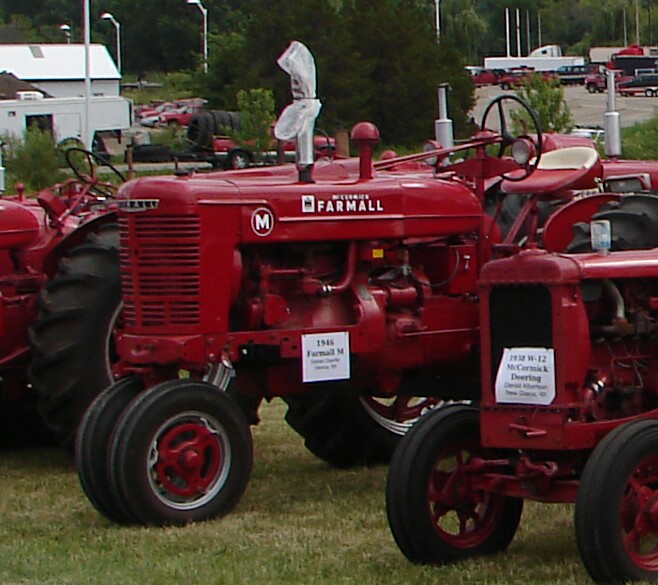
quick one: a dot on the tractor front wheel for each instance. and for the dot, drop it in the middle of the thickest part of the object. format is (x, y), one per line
(347, 430)
(181, 452)
(71, 339)
(436, 511)
(616, 515)
(92, 444)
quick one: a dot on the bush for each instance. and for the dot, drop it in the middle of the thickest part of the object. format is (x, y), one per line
(175, 138)
(256, 116)
(33, 161)
(546, 97)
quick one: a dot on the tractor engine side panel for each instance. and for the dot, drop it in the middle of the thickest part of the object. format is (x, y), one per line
(603, 332)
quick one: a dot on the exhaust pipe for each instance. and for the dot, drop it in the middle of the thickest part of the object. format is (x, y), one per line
(612, 120)
(443, 124)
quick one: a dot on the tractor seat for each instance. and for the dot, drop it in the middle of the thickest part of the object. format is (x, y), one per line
(571, 168)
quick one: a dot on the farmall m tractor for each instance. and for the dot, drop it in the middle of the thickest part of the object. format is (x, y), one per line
(352, 278)
(59, 258)
(568, 409)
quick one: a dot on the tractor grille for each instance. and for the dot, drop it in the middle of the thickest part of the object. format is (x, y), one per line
(160, 270)
(519, 316)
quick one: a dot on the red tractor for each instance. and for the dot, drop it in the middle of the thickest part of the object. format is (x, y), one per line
(568, 409)
(59, 260)
(345, 289)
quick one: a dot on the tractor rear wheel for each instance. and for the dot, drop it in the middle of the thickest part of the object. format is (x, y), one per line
(181, 452)
(616, 517)
(435, 510)
(633, 221)
(71, 339)
(346, 430)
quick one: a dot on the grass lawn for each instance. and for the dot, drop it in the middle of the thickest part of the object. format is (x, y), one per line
(299, 522)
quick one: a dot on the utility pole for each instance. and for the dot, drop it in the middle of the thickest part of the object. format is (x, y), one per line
(507, 41)
(518, 33)
(527, 23)
(650, 31)
(637, 22)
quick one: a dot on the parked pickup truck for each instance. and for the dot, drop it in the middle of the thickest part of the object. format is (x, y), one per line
(481, 77)
(515, 77)
(598, 82)
(645, 84)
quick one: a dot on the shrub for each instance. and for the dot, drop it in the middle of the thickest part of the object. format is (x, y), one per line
(173, 137)
(256, 116)
(546, 97)
(33, 160)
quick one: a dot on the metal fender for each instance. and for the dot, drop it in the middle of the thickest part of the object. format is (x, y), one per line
(557, 232)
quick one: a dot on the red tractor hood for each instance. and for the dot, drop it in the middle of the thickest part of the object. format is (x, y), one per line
(539, 266)
(280, 207)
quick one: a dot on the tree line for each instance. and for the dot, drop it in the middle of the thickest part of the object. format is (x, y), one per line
(376, 59)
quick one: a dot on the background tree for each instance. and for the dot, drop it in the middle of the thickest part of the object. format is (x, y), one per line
(376, 60)
(464, 27)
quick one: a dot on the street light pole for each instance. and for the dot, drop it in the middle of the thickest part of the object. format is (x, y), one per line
(117, 26)
(67, 31)
(204, 12)
(86, 135)
(438, 20)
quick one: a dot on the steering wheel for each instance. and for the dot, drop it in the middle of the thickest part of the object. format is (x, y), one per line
(508, 138)
(77, 158)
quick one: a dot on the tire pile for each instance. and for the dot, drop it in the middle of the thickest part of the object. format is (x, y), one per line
(200, 131)
(208, 123)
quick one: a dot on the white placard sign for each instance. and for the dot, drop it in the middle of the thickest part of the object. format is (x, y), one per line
(526, 375)
(326, 356)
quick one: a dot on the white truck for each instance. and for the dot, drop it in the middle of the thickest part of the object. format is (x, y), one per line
(546, 58)
(65, 117)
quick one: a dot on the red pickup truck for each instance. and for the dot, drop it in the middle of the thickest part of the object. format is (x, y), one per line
(515, 77)
(598, 82)
(481, 77)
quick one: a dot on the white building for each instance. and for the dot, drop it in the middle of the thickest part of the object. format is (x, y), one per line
(59, 69)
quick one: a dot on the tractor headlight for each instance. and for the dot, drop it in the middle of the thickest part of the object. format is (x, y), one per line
(522, 151)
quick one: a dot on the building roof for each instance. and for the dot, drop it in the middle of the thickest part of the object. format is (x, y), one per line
(56, 62)
(10, 85)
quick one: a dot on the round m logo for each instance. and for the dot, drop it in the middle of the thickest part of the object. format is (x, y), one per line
(262, 221)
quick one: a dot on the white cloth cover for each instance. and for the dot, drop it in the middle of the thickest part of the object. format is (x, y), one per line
(297, 121)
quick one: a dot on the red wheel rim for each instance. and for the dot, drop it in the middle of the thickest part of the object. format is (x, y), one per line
(189, 460)
(463, 515)
(639, 515)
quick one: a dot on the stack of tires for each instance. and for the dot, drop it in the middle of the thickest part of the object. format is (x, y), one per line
(208, 123)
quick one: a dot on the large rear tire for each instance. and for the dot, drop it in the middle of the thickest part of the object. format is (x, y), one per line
(346, 430)
(633, 221)
(71, 338)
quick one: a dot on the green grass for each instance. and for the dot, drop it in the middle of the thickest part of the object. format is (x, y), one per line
(640, 141)
(300, 522)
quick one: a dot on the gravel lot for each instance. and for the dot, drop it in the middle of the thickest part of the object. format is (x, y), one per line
(587, 109)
